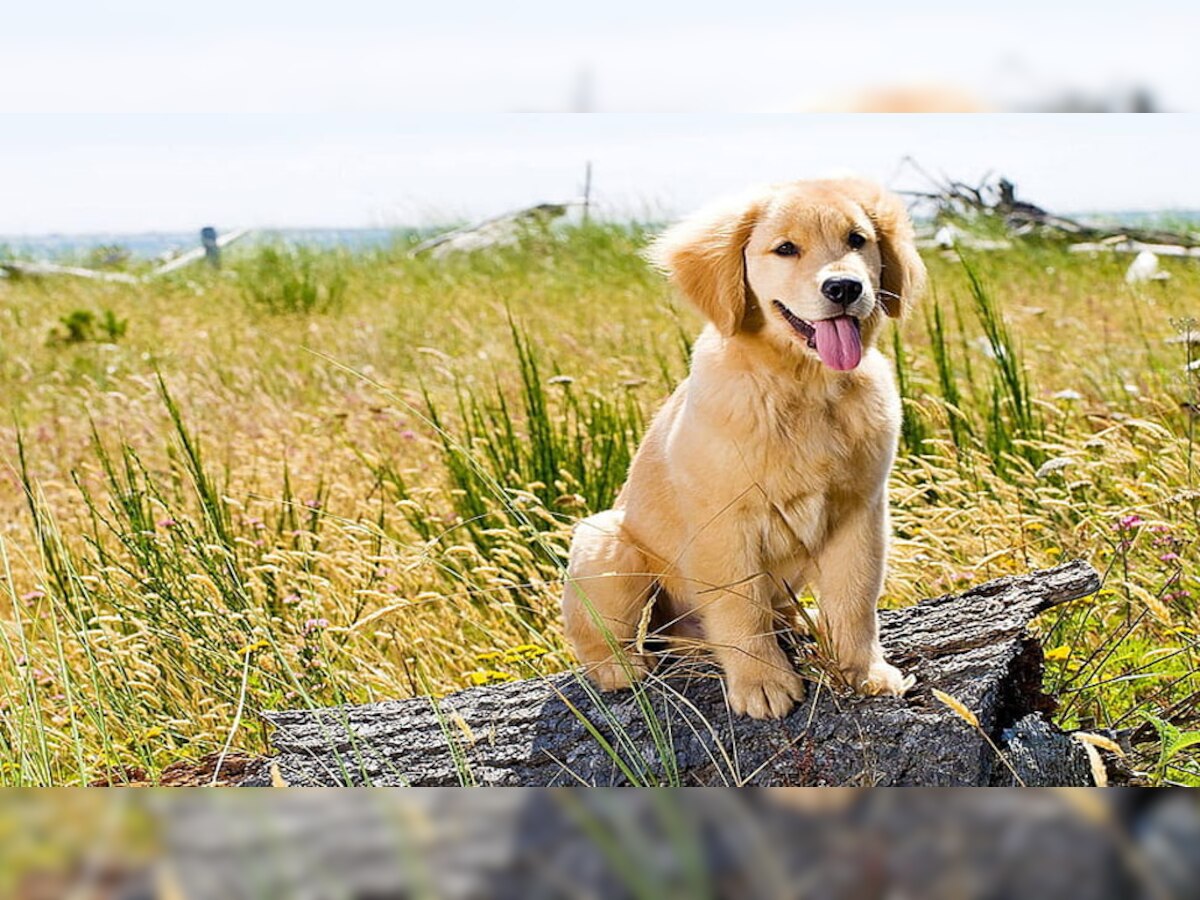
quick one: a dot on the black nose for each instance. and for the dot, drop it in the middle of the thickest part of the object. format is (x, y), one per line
(843, 291)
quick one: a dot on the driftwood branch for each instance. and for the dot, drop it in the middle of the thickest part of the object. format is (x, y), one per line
(41, 269)
(995, 199)
(198, 253)
(974, 647)
(496, 231)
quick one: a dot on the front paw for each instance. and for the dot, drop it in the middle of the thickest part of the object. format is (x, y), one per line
(880, 678)
(768, 693)
(612, 674)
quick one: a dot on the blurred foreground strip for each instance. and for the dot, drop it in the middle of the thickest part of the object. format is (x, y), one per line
(811, 843)
(972, 650)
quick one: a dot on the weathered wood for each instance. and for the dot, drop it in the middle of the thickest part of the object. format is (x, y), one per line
(973, 646)
(1129, 246)
(40, 269)
(195, 255)
(494, 232)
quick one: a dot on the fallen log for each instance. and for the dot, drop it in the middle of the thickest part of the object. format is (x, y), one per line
(497, 231)
(40, 269)
(973, 647)
(199, 253)
(1135, 247)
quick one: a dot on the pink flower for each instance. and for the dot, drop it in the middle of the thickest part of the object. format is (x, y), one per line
(33, 595)
(408, 434)
(291, 598)
(1128, 523)
(1169, 557)
(166, 523)
(312, 625)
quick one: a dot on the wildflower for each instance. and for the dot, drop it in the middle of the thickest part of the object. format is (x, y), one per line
(1169, 557)
(291, 598)
(1129, 523)
(33, 595)
(524, 653)
(408, 434)
(313, 504)
(489, 676)
(1050, 466)
(166, 523)
(1058, 653)
(311, 625)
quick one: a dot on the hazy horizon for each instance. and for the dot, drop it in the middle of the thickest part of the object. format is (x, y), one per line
(78, 175)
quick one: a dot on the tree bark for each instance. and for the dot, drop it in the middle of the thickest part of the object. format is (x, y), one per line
(677, 728)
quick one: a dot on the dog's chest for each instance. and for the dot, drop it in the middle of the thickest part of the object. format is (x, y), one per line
(815, 463)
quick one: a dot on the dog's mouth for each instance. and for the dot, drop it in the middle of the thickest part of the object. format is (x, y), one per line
(838, 341)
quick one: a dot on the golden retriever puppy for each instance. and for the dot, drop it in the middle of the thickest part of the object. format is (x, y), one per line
(767, 468)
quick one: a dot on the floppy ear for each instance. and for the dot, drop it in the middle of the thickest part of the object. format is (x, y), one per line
(902, 278)
(704, 256)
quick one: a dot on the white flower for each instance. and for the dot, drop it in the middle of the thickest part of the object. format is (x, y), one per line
(1050, 466)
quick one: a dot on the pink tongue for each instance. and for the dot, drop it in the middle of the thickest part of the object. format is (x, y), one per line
(838, 343)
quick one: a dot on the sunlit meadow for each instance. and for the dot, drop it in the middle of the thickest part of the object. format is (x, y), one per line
(314, 478)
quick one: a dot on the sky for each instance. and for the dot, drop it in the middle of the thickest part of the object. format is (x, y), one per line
(115, 173)
(617, 56)
(143, 115)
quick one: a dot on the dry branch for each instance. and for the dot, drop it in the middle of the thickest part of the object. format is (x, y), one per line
(995, 199)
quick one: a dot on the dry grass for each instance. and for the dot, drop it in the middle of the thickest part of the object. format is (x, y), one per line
(279, 521)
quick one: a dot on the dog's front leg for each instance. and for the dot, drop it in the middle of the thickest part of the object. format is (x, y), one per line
(849, 579)
(733, 600)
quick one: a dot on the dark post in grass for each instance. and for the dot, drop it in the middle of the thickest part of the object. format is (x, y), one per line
(212, 251)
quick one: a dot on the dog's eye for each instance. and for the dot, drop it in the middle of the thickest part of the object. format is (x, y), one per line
(856, 241)
(787, 248)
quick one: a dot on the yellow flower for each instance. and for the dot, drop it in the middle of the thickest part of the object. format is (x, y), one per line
(488, 676)
(1058, 653)
(524, 652)
(251, 648)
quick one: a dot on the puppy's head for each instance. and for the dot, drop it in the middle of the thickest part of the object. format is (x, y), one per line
(812, 266)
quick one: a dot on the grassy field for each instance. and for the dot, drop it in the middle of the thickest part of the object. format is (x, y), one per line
(316, 478)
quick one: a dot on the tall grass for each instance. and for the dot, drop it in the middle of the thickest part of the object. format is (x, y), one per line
(294, 280)
(276, 530)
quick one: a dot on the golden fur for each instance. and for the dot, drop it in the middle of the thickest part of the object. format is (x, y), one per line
(766, 467)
